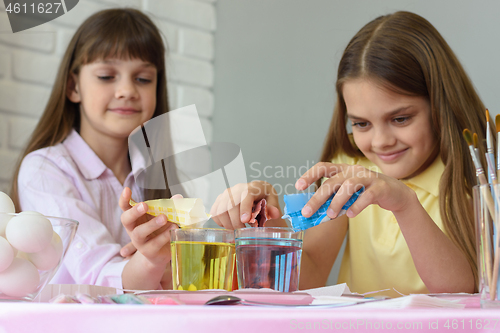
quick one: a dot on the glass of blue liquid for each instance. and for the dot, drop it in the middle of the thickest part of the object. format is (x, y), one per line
(268, 257)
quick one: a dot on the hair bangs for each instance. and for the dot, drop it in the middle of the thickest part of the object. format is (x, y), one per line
(123, 36)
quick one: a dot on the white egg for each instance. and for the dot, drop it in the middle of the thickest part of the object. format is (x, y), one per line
(29, 233)
(6, 204)
(49, 257)
(4, 219)
(20, 279)
(29, 212)
(6, 254)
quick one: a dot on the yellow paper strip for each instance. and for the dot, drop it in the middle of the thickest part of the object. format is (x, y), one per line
(185, 212)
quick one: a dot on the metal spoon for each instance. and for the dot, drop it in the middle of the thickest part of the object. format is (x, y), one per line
(224, 300)
(233, 300)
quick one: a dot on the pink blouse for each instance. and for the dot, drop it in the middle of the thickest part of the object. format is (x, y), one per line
(69, 180)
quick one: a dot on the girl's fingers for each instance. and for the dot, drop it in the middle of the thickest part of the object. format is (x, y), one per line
(235, 217)
(217, 203)
(361, 203)
(128, 250)
(158, 244)
(125, 199)
(344, 193)
(142, 232)
(129, 217)
(226, 221)
(247, 201)
(217, 221)
(224, 204)
(273, 212)
(323, 193)
(343, 187)
(177, 196)
(318, 171)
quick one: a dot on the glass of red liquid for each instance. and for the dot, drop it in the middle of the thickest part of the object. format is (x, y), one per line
(268, 257)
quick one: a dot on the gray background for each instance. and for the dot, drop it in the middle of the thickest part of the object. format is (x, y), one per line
(276, 62)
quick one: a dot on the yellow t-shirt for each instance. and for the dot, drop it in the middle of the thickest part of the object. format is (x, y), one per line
(376, 255)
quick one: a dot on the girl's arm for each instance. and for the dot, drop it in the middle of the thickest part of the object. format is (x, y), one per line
(440, 264)
(148, 266)
(140, 274)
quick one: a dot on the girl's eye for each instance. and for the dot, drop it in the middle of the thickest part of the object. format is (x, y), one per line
(401, 120)
(105, 77)
(142, 80)
(360, 124)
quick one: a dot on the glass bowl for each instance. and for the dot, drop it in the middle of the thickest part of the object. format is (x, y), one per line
(268, 257)
(64, 228)
(202, 258)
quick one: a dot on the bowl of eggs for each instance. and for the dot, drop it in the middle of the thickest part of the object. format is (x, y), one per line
(32, 247)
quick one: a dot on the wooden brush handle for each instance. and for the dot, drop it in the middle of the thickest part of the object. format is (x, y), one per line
(487, 195)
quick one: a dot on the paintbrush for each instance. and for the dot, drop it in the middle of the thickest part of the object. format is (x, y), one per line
(490, 153)
(486, 234)
(494, 278)
(479, 170)
(475, 158)
(469, 138)
(497, 125)
(475, 144)
(492, 177)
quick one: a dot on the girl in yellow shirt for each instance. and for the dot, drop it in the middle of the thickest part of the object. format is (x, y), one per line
(408, 99)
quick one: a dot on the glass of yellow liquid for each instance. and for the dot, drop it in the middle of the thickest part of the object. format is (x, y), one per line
(202, 259)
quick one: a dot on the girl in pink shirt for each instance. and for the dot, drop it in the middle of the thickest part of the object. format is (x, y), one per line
(111, 80)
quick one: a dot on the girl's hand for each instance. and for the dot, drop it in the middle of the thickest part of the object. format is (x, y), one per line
(233, 208)
(129, 249)
(389, 193)
(150, 235)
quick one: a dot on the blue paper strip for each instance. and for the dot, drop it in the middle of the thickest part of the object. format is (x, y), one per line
(295, 202)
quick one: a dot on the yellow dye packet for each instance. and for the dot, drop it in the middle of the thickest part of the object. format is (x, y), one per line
(185, 212)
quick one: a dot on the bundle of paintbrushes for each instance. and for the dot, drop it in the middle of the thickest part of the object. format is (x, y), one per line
(487, 214)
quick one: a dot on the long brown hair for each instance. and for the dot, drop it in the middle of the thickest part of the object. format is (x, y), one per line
(124, 33)
(403, 52)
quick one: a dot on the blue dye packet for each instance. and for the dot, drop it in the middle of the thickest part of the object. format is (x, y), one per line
(295, 202)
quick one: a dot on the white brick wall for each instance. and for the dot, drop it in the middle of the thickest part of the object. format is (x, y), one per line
(3, 133)
(20, 129)
(190, 71)
(4, 63)
(29, 61)
(20, 98)
(197, 44)
(195, 13)
(34, 67)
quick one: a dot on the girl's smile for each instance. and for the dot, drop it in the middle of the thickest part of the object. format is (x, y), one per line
(390, 157)
(124, 110)
(392, 130)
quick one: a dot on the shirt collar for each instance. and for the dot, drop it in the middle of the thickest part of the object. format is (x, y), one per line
(428, 180)
(85, 158)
